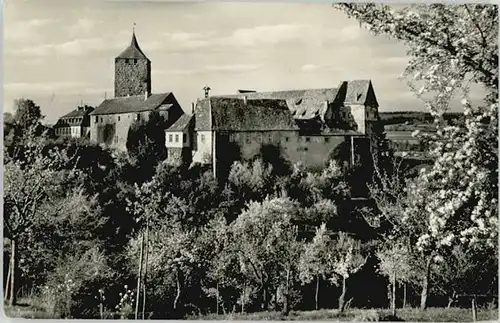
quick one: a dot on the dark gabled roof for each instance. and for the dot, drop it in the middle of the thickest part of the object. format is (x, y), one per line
(234, 114)
(135, 103)
(78, 112)
(75, 118)
(133, 51)
(357, 91)
(181, 123)
(303, 104)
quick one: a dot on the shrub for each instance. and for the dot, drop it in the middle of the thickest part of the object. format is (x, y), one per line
(72, 288)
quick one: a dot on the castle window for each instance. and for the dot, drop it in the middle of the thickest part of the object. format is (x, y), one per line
(170, 138)
(327, 139)
(202, 138)
(135, 61)
(308, 139)
(176, 138)
(102, 120)
(138, 116)
(118, 118)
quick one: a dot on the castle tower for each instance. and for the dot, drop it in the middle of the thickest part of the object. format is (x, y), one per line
(132, 71)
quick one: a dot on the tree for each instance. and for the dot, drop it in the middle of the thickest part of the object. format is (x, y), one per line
(267, 245)
(29, 183)
(313, 263)
(251, 180)
(155, 211)
(337, 259)
(463, 271)
(220, 260)
(175, 262)
(395, 264)
(450, 46)
(27, 113)
(146, 144)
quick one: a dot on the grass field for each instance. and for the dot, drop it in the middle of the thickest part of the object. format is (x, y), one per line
(407, 314)
(28, 310)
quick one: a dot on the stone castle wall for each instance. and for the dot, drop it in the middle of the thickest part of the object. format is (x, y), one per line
(132, 77)
(112, 129)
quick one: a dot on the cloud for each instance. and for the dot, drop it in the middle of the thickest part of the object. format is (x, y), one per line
(43, 87)
(27, 29)
(77, 47)
(232, 68)
(229, 69)
(309, 67)
(81, 26)
(263, 35)
(269, 35)
(187, 41)
(350, 33)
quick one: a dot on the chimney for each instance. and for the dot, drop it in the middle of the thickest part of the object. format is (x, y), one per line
(245, 100)
(207, 90)
(146, 95)
(192, 107)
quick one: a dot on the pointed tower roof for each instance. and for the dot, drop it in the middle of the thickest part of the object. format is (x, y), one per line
(133, 51)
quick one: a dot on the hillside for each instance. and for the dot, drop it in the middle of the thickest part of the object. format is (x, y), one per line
(415, 117)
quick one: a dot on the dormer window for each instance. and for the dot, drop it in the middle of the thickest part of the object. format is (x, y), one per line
(298, 101)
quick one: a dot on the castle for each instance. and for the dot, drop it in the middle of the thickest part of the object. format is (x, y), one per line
(306, 126)
(133, 101)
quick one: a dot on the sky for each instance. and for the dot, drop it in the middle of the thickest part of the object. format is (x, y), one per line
(60, 53)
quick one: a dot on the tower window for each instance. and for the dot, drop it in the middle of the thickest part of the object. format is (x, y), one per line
(184, 138)
(138, 116)
(135, 61)
(118, 118)
(102, 120)
(169, 138)
(176, 138)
